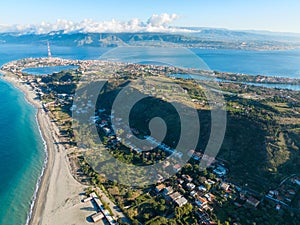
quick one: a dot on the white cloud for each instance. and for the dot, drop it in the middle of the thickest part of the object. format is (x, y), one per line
(161, 20)
(156, 23)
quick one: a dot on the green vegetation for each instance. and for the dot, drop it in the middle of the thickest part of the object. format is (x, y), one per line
(260, 149)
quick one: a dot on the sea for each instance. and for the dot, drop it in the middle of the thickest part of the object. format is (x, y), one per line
(22, 150)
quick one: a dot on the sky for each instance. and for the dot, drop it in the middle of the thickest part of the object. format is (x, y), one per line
(272, 15)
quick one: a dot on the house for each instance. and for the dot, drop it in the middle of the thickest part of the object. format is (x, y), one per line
(208, 208)
(191, 153)
(190, 186)
(160, 178)
(106, 130)
(273, 193)
(187, 178)
(177, 168)
(201, 202)
(210, 182)
(197, 156)
(296, 180)
(166, 164)
(225, 186)
(181, 201)
(278, 207)
(252, 201)
(208, 160)
(291, 192)
(159, 188)
(202, 188)
(168, 191)
(180, 181)
(176, 195)
(193, 193)
(203, 216)
(208, 197)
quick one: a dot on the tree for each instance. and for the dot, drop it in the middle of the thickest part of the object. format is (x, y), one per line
(204, 172)
(129, 194)
(184, 210)
(135, 222)
(212, 176)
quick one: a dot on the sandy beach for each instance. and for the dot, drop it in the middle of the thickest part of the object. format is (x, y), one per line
(59, 196)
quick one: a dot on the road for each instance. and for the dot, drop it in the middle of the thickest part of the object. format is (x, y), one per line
(114, 208)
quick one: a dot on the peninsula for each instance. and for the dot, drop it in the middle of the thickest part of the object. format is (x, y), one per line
(254, 178)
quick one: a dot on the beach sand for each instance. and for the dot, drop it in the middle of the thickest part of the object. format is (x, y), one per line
(59, 196)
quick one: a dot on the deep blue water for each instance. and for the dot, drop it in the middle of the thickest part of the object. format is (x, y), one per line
(294, 87)
(273, 63)
(21, 147)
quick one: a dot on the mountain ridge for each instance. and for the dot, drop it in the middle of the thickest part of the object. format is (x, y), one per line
(205, 38)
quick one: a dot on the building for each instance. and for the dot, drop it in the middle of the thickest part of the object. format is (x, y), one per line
(102, 210)
(187, 178)
(87, 199)
(190, 186)
(159, 188)
(177, 168)
(193, 193)
(168, 190)
(181, 201)
(201, 202)
(106, 130)
(225, 186)
(210, 197)
(97, 217)
(202, 188)
(203, 216)
(278, 207)
(252, 201)
(176, 195)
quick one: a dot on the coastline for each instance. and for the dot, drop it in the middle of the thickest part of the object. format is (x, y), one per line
(43, 182)
(46, 207)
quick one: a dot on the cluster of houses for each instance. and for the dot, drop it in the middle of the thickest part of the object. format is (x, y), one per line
(202, 193)
(102, 121)
(171, 195)
(285, 193)
(199, 196)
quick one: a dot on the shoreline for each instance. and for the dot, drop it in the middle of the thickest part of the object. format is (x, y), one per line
(41, 177)
(57, 192)
(43, 180)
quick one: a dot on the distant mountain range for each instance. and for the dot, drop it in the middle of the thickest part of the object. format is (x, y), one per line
(199, 38)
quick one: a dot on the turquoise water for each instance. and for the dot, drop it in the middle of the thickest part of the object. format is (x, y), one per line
(22, 152)
(22, 155)
(21, 147)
